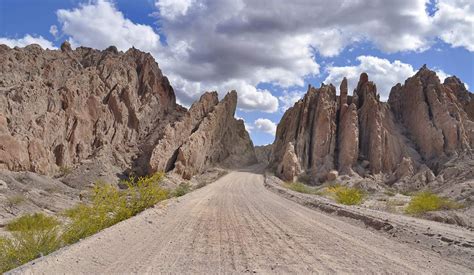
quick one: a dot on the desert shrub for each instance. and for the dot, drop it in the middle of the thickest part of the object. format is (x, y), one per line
(145, 192)
(427, 201)
(64, 171)
(301, 188)
(9, 257)
(346, 195)
(109, 206)
(33, 235)
(32, 222)
(181, 190)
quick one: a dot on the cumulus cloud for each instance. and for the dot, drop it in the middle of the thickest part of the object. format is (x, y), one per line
(100, 25)
(382, 72)
(455, 22)
(265, 125)
(252, 42)
(173, 8)
(27, 40)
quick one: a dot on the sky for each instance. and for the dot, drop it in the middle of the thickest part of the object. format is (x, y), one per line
(268, 51)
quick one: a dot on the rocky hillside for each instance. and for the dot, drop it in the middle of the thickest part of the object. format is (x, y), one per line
(87, 114)
(410, 139)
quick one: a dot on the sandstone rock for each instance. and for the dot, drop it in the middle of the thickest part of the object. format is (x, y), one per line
(432, 116)
(380, 139)
(332, 175)
(348, 138)
(311, 126)
(66, 46)
(164, 154)
(289, 167)
(219, 139)
(465, 98)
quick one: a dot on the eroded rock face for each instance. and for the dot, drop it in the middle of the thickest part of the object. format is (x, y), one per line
(58, 108)
(433, 116)
(63, 108)
(217, 138)
(310, 126)
(424, 124)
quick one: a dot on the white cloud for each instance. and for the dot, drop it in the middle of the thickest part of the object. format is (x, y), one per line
(455, 22)
(251, 98)
(173, 8)
(265, 125)
(382, 72)
(53, 30)
(27, 40)
(100, 25)
(288, 99)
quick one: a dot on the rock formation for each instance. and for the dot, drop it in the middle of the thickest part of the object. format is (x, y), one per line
(423, 125)
(433, 116)
(215, 137)
(66, 109)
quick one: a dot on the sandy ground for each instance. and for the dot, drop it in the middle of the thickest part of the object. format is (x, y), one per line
(236, 225)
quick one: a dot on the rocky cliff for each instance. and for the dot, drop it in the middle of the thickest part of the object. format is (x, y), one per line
(423, 125)
(108, 112)
(208, 135)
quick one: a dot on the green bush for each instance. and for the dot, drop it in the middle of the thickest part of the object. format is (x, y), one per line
(145, 192)
(33, 235)
(427, 201)
(110, 206)
(346, 195)
(182, 189)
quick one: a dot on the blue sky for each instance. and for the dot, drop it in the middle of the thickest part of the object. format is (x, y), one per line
(268, 53)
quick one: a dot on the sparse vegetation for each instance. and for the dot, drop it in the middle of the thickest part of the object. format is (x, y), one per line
(64, 171)
(301, 187)
(346, 195)
(182, 189)
(427, 201)
(35, 235)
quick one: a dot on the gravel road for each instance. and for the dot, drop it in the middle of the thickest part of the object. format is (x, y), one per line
(235, 225)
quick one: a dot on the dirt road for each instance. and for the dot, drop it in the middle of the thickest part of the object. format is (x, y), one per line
(235, 225)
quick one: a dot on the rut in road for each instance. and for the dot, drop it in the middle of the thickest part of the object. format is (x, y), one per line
(236, 225)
